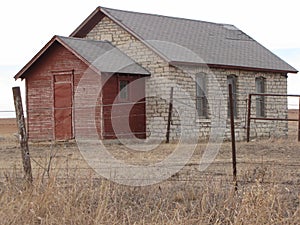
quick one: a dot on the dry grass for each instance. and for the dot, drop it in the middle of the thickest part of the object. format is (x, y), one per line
(84, 200)
(268, 191)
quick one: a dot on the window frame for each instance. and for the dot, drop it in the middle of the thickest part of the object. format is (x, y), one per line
(201, 97)
(260, 100)
(123, 90)
(232, 79)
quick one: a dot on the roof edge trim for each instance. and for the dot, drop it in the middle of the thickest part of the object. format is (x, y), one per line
(220, 66)
(135, 35)
(33, 60)
(81, 31)
(44, 49)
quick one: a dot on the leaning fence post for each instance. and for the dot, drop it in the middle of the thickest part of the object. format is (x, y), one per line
(22, 133)
(232, 136)
(169, 116)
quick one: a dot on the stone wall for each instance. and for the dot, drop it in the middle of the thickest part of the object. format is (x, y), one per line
(184, 118)
(275, 107)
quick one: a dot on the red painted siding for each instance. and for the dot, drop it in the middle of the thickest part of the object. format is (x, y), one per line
(40, 97)
(39, 89)
(124, 117)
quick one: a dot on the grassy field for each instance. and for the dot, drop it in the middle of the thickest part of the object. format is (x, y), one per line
(68, 191)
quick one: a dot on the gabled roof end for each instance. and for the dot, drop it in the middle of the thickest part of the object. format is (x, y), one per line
(91, 21)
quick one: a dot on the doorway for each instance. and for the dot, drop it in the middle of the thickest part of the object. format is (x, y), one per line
(63, 99)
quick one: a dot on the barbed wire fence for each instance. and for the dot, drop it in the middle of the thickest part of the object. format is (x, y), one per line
(46, 167)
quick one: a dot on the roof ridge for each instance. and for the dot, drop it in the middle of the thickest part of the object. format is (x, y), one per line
(216, 43)
(170, 17)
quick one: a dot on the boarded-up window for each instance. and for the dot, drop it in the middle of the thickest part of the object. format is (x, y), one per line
(201, 99)
(260, 100)
(232, 79)
(123, 85)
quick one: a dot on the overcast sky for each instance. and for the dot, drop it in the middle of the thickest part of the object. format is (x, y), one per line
(27, 25)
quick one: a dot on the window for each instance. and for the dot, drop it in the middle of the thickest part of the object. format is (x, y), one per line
(260, 100)
(123, 89)
(201, 100)
(232, 79)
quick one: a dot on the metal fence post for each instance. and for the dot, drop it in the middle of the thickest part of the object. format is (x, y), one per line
(248, 118)
(169, 116)
(232, 136)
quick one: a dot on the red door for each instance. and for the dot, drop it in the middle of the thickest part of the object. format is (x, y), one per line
(63, 107)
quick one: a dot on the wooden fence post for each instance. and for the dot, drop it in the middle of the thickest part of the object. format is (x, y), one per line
(22, 133)
(232, 136)
(169, 116)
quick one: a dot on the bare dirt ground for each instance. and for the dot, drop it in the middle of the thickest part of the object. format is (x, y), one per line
(7, 127)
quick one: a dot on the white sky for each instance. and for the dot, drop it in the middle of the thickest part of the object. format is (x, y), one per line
(27, 25)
